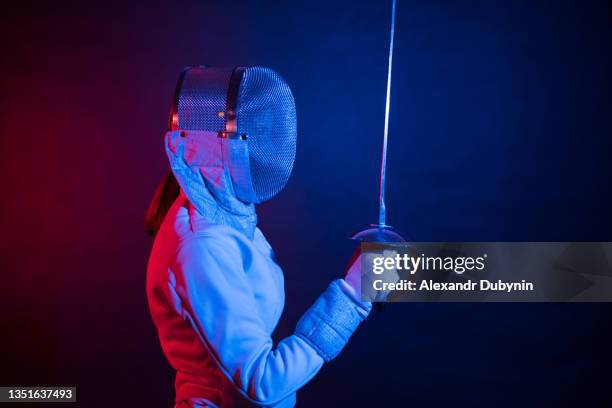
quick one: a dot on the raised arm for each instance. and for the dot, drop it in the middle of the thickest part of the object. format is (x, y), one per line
(219, 303)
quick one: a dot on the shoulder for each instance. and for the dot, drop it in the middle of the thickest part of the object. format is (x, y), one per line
(213, 237)
(216, 247)
(180, 228)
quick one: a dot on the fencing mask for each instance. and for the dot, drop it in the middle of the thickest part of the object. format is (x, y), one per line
(252, 113)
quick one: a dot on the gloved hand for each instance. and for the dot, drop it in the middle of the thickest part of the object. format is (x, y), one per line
(355, 277)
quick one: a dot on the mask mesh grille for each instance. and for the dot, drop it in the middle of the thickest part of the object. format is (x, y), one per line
(266, 114)
(202, 97)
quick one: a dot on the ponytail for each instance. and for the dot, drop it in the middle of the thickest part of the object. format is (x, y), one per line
(165, 194)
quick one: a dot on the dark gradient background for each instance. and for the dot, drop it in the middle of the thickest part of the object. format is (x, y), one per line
(500, 130)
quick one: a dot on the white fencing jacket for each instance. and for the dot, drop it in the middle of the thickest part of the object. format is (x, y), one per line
(216, 294)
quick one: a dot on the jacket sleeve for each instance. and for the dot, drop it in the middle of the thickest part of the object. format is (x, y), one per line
(218, 302)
